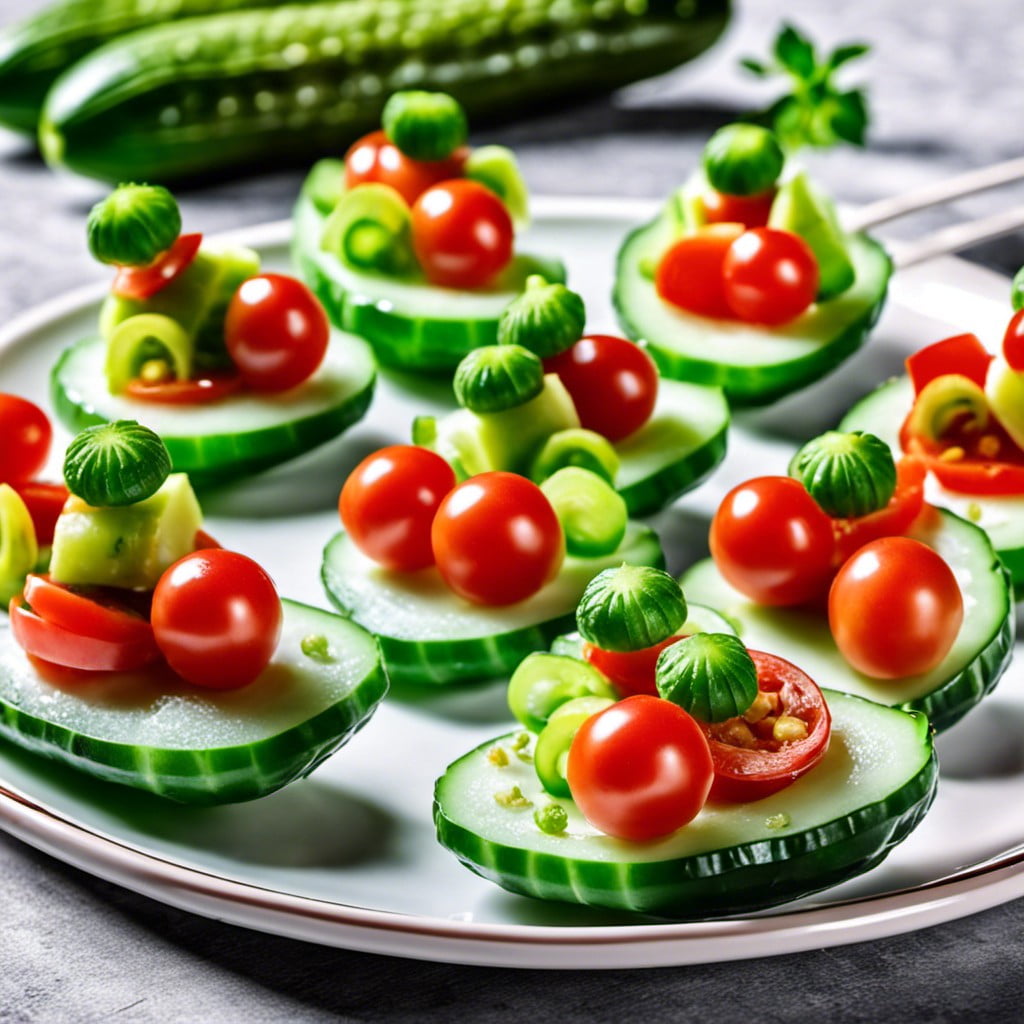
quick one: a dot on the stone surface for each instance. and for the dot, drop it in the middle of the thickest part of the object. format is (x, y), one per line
(947, 90)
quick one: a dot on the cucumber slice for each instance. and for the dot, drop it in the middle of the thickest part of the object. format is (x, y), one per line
(972, 668)
(412, 325)
(882, 412)
(754, 365)
(430, 635)
(201, 746)
(237, 436)
(866, 795)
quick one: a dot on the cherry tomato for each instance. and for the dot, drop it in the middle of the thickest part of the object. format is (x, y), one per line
(374, 158)
(145, 282)
(200, 391)
(204, 541)
(216, 618)
(963, 354)
(750, 211)
(1013, 341)
(462, 234)
(640, 769)
(613, 383)
(44, 502)
(690, 274)
(772, 542)
(276, 332)
(26, 434)
(629, 671)
(770, 276)
(497, 539)
(389, 502)
(746, 773)
(895, 608)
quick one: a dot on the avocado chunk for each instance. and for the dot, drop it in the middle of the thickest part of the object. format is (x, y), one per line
(130, 546)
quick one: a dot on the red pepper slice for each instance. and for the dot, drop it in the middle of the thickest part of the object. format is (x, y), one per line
(44, 503)
(145, 282)
(93, 612)
(963, 354)
(200, 391)
(631, 672)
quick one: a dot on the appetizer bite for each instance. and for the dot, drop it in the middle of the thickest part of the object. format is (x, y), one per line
(145, 654)
(960, 413)
(410, 241)
(747, 280)
(667, 769)
(237, 370)
(846, 569)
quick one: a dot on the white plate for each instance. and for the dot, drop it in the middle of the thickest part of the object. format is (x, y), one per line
(348, 858)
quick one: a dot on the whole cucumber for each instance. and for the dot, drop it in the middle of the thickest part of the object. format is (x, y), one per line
(34, 51)
(251, 89)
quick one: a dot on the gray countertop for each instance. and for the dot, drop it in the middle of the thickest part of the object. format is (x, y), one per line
(947, 90)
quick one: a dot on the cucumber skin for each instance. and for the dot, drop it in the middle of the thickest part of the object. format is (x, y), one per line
(106, 117)
(737, 880)
(749, 386)
(204, 777)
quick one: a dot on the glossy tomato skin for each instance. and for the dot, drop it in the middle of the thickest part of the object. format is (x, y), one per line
(770, 276)
(44, 503)
(276, 332)
(213, 387)
(496, 539)
(772, 542)
(374, 159)
(26, 434)
(389, 501)
(640, 769)
(462, 234)
(89, 612)
(750, 211)
(144, 282)
(691, 274)
(630, 672)
(1013, 341)
(216, 618)
(743, 775)
(613, 383)
(895, 608)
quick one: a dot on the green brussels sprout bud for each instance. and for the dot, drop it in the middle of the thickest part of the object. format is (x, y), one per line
(545, 318)
(709, 675)
(498, 377)
(1017, 290)
(118, 463)
(630, 608)
(742, 160)
(848, 475)
(133, 225)
(425, 125)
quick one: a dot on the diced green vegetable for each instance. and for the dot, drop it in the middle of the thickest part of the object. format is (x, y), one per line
(544, 682)
(133, 225)
(630, 608)
(143, 339)
(498, 377)
(742, 160)
(551, 819)
(370, 229)
(847, 474)
(118, 463)
(552, 748)
(592, 513)
(545, 318)
(497, 168)
(19, 551)
(424, 125)
(709, 675)
(579, 447)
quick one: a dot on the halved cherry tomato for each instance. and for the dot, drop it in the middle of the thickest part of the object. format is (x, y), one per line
(462, 234)
(26, 434)
(496, 539)
(374, 158)
(963, 354)
(88, 611)
(770, 276)
(276, 332)
(895, 608)
(690, 274)
(640, 769)
(216, 618)
(772, 542)
(145, 282)
(763, 767)
(1013, 342)
(629, 671)
(59, 646)
(44, 503)
(389, 501)
(214, 387)
(750, 211)
(613, 383)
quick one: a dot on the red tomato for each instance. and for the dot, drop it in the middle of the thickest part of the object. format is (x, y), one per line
(963, 354)
(772, 542)
(44, 503)
(750, 773)
(214, 387)
(770, 276)
(389, 502)
(462, 234)
(26, 434)
(203, 541)
(497, 539)
(690, 274)
(88, 611)
(630, 671)
(216, 618)
(374, 158)
(1013, 342)
(895, 608)
(750, 211)
(145, 282)
(640, 769)
(276, 332)
(613, 383)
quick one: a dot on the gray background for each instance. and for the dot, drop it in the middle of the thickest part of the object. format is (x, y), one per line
(947, 92)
